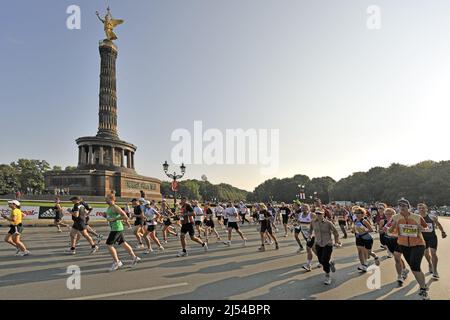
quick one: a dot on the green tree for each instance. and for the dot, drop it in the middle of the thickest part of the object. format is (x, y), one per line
(9, 179)
(31, 173)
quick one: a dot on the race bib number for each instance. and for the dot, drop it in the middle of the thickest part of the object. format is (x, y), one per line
(181, 218)
(198, 218)
(283, 212)
(408, 230)
(262, 217)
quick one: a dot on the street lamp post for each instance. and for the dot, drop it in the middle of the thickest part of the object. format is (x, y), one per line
(174, 178)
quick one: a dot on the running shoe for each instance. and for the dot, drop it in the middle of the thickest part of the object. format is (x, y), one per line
(182, 254)
(430, 268)
(115, 266)
(332, 266)
(306, 267)
(71, 252)
(205, 247)
(400, 280)
(161, 248)
(165, 241)
(277, 246)
(285, 235)
(327, 280)
(362, 268)
(389, 254)
(24, 253)
(147, 251)
(244, 244)
(300, 250)
(227, 243)
(436, 275)
(377, 261)
(424, 294)
(383, 247)
(94, 250)
(318, 266)
(262, 248)
(17, 252)
(135, 260)
(139, 246)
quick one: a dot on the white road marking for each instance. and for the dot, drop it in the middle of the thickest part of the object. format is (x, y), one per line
(120, 293)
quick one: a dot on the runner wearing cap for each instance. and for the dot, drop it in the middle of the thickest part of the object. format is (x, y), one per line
(115, 216)
(79, 226)
(323, 230)
(430, 237)
(187, 226)
(411, 242)
(15, 228)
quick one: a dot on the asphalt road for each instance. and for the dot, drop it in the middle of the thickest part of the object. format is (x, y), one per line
(234, 272)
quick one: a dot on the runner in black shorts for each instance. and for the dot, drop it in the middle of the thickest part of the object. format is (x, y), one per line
(264, 220)
(209, 222)
(59, 215)
(167, 214)
(79, 226)
(187, 226)
(138, 214)
(233, 219)
(15, 228)
(90, 230)
(285, 212)
(364, 240)
(431, 239)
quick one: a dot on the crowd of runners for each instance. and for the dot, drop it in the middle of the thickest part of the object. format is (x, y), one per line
(406, 233)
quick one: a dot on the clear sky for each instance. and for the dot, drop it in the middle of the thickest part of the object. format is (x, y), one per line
(345, 98)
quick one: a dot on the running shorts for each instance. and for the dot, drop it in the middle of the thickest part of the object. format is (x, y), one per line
(431, 242)
(366, 243)
(198, 223)
(285, 218)
(115, 237)
(16, 229)
(187, 228)
(233, 225)
(79, 226)
(413, 256)
(266, 226)
(150, 227)
(167, 222)
(209, 223)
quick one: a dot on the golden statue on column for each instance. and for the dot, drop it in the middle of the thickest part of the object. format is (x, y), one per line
(109, 24)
